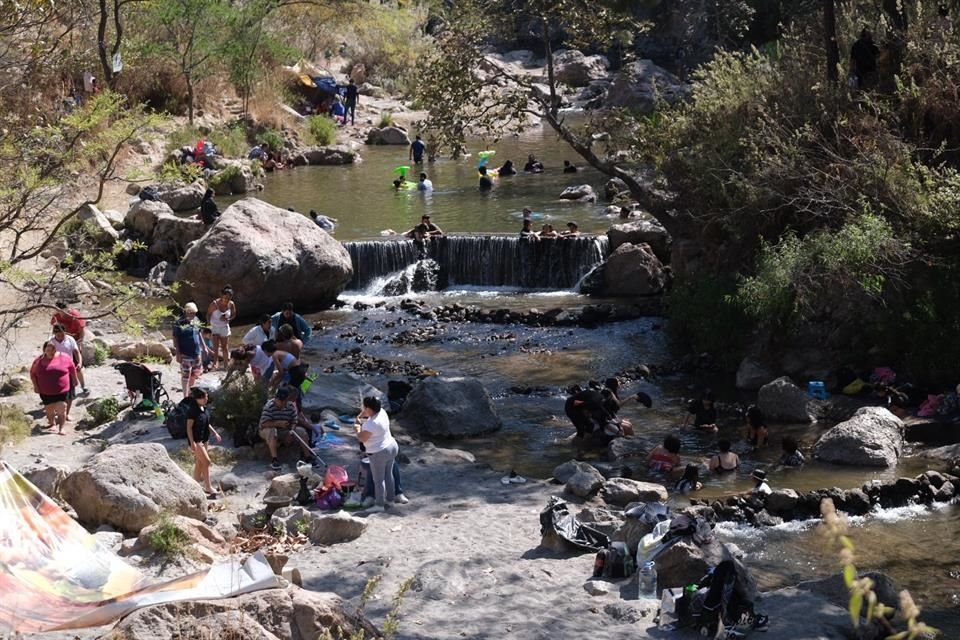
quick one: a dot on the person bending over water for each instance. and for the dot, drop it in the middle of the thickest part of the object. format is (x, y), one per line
(703, 412)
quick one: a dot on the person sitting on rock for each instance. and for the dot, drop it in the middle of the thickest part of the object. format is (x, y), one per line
(690, 481)
(425, 229)
(261, 332)
(760, 486)
(573, 231)
(792, 456)
(569, 168)
(704, 413)
(259, 152)
(533, 165)
(726, 461)
(278, 426)
(757, 431)
(665, 457)
(209, 212)
(301, 329)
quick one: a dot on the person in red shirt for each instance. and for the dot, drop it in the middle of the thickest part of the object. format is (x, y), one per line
(54, 376)
(72, 320)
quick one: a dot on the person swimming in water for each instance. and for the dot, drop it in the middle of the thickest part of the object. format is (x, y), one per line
(485, 182)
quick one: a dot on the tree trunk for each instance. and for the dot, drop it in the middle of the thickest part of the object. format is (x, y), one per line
(117, 39)
(830, 40)
(189, 78)
(105, 64)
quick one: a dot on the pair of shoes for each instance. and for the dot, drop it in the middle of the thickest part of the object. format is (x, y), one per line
(367, 502)
(213, 495)
(512, 478)
(275, 465)
(401, 499)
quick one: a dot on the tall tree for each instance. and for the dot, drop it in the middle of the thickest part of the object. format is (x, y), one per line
(108, 9)
(191, 34)
(830, 39)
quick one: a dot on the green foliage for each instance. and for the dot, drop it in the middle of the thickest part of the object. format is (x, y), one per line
(100, 354)
(237, 405)
(705, 317)
(322, 130)
(272, 137)
(224, 176)
(386, 120)
(388, 42)
(104, 410)
(15, 425)
(167, 538)
(796, 277)
(835, 528)
(173, 173)
(392, 622)
(231, 140)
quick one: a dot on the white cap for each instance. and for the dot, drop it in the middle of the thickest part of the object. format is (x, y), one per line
(190, 307)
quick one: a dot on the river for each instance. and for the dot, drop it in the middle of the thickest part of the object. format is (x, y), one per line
(919, 548)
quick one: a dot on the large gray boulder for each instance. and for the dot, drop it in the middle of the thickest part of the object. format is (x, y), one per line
(579, 193)
(167, 234)
(334, 528)
(783, 401)
(269, 255)
(97, 225)
(128, 486)
(613, 188)
(633, 270)
(641, 232)
(388, 135)
(331, 155)
(577, 70)
(623, 491)
(570, 468)
(269, 614)
(340, 392)
(450, 408)
(686, 563)
(873, 437)
(641, 84)
(585, 482)
(752, 374)
(234, 177)
(181, 197)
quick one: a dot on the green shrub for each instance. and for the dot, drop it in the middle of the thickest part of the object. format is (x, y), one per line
(104, 410)
(100, 354)
(386, 120)
(237, 405)
(272, 137)
(15, 425)
(224, 176)
(167, 538)
(231, 140)
(322, 130)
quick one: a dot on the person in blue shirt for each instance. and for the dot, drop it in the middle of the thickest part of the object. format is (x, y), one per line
(338, 111)
(259, 152)
(301, 328)
(417, 147)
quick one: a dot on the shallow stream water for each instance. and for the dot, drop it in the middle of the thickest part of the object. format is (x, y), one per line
(919, 548)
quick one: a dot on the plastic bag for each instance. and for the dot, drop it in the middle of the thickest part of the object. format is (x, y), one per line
(329, 499)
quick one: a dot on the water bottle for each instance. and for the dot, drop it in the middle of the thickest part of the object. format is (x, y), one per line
(647, 580)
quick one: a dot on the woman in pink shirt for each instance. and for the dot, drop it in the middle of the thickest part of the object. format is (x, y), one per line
(53, 375)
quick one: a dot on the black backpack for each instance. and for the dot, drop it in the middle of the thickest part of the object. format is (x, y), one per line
(176, 419)
(616, 560)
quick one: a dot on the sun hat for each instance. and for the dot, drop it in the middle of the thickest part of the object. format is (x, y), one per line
(759, 475)
(190, 307)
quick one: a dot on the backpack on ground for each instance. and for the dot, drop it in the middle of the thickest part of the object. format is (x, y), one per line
(176, 419)
(616, 561)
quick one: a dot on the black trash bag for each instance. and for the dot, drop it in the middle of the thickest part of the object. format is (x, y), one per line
(556, 519)
(649, 513)
(722, 601)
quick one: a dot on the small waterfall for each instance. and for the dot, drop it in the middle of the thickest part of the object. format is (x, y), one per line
(485, 261)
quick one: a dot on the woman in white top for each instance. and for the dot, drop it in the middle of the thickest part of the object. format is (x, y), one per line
(382, 450)
(219, 314)
(64, 343)
(261, 332)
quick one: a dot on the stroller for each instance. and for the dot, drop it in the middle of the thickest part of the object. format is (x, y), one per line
(147, 384)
